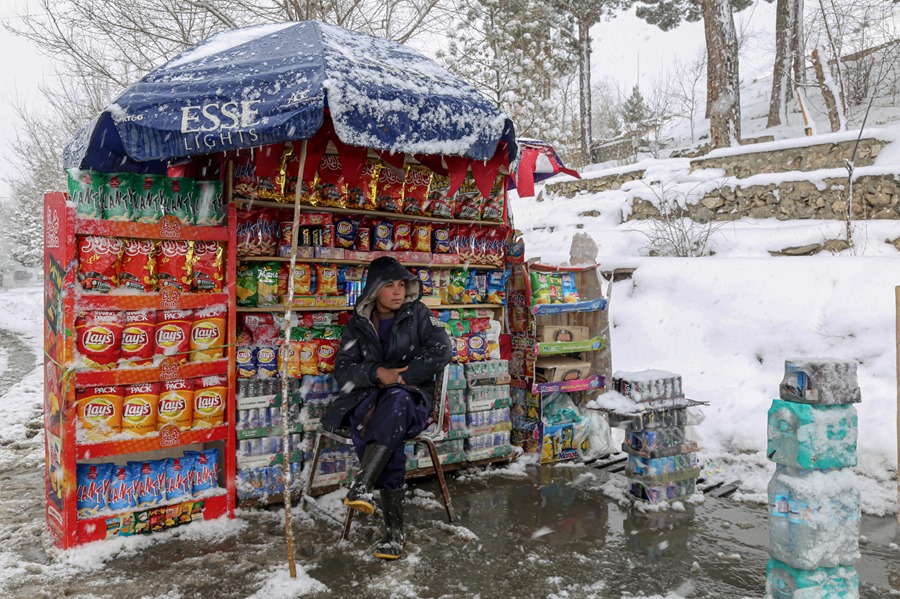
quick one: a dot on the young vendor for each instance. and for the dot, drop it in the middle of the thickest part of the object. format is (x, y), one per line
(390, 353)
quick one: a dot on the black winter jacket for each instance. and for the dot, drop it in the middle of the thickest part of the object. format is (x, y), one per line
(418, 340)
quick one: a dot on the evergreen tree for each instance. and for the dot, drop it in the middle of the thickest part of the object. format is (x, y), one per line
(634, 110)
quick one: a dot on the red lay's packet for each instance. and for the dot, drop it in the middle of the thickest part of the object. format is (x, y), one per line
(173, 264)
(207, 271)
(139, 337)
(173, 333)
(326, 352)
(97, 259)
(329, 181)
(98, 337)
(362, 195)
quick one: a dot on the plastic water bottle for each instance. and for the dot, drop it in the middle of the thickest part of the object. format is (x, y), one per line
(814, 518)
(812, 437)
(785, 582)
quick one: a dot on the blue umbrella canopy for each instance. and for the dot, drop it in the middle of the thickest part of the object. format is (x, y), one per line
(273, 83)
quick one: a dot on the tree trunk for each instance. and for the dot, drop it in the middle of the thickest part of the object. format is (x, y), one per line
(827, 93)
(781, 87)
(584, 74)
(723, 81)
(798, 42)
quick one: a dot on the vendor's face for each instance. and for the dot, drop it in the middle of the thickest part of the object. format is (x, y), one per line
(391, 296)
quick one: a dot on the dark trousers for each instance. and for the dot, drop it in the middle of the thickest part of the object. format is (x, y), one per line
(398, 416)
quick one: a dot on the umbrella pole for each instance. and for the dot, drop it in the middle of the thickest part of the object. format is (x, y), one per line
(285, 378)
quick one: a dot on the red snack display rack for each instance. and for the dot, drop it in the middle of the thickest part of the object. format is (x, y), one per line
(62, 298)
(526, 319)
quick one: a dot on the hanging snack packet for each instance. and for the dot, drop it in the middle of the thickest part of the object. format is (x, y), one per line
(207, 270)
(245, 286)
(555, 282)
(267, 283)
(425, 281)
(457, 288)
(137, 266)
(262, 327)
(540, 288)
(309, 358)
(92, 483)
(303, 279)
(139, 337)
(266, 363)
(479, 245)
(179, 472)
(384, 232)
(476, 288)
(463, 242)
(269, 179)
(441, 240)
(121, 494)
(462, 349)
(98, 337)
(422, 237)
(209, 208)
(326, 352)
(345, 232)
(327, 191)
(415, 190)
(178, 199)
(492, 206)
(496, 287)
(568, 288)
(245, 359)
(150, 482)
(440, 205)
(206, 469)
(210, 395)
(148, 198)
(389, 190)
(119, 201)
(99, 410)
(97, 258)
(364, 239)
(176, 404)
(291, 173)
(173, 264)
(493, 340)
(173, 333)
(402, 236)
(468, 201)
(494, 245)
(86, 191)
(139, 408)
(362, 195)
(326, 279)
(244, 176)
(208, 334)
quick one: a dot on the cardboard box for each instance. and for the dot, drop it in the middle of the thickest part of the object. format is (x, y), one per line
(304, 301)
(331, 301)
(563, 333)
(548, 369)
(445, 259)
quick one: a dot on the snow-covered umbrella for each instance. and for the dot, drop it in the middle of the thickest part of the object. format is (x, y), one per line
(273, 83)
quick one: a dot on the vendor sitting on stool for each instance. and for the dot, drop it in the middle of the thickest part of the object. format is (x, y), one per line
(390, 353)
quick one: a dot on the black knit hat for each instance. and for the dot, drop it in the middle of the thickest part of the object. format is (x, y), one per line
(387, 269)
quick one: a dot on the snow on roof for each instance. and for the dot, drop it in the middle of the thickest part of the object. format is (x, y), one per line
(226, 40)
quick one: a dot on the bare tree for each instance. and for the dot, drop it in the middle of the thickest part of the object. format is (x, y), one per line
(687, 90)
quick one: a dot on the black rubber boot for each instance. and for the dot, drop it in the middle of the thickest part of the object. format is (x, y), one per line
(391, 545)
(360, 497)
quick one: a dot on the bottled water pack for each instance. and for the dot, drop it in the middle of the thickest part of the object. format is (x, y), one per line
(812, 437)
(820, 381)
(785, 582)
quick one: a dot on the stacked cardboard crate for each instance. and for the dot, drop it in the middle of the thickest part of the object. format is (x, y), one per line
(814, 502)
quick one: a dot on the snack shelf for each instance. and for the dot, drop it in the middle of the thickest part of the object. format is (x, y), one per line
(97, 529)
(166, 439)
(167, 299)
(549, 348)
(463, 266)
(166, 371)
(280, 308)
(360, 211)
(168, 228)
